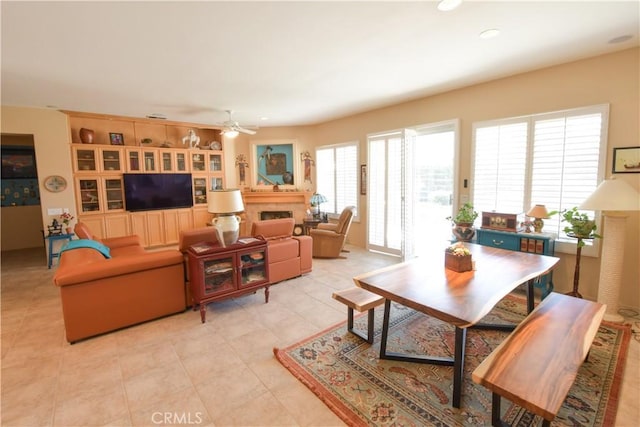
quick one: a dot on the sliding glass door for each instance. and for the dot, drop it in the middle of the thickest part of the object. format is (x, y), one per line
(411, 180)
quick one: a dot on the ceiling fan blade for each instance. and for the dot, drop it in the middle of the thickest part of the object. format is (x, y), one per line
(247, 131)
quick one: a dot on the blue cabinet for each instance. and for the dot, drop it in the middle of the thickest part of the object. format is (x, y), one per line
(542, 244)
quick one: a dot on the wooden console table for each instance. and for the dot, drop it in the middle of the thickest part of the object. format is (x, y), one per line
(217, 272)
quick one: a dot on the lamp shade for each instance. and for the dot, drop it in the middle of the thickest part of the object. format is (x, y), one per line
(538, 211)
(613, 195)
(225, 201)
(316, 199)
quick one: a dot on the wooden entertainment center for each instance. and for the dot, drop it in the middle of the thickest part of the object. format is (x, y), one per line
(134, 145)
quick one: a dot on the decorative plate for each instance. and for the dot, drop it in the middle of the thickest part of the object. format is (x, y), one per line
(215, 145)
(55, 183)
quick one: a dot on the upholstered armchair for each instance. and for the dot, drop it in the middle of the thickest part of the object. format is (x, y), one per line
(329, 238)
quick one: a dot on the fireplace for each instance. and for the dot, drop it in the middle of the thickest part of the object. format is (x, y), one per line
(275, 214)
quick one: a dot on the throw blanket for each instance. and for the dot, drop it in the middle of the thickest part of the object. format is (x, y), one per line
(87, 243)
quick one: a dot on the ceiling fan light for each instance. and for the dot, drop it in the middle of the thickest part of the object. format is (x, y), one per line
(447, 5)
(230, 133)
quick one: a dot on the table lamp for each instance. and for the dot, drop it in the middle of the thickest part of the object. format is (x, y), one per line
(612, 196)
(538, 212)
(316, 200)
(226, 203)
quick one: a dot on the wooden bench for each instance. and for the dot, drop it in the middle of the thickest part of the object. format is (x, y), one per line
(361, 300)
(538, 362)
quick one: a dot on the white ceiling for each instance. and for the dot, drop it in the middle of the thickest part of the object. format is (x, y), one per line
(293, 62)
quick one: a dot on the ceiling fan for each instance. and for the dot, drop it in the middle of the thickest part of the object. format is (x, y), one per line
(231, 128)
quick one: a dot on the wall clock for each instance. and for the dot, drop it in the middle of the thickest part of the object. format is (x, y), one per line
(298, 230)
(55, 183)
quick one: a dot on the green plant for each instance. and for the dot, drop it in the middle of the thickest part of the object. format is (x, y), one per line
(580, 225)
(465, 215)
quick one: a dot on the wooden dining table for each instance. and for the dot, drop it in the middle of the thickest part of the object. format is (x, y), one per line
(460, 299)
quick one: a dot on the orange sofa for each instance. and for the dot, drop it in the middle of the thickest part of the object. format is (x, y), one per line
(102, 294)
(289, 255)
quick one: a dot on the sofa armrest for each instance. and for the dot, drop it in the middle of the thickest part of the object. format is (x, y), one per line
(326, 234)
(328, 226)
(75, 269)
(120, 242)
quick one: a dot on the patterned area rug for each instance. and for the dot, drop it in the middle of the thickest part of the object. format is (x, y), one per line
(346, 373)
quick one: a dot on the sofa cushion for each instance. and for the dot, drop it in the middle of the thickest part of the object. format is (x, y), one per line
(283, 249)
(273, 228)
(87, 243)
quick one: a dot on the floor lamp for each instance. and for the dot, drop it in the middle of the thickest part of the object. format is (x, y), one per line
(612, 197)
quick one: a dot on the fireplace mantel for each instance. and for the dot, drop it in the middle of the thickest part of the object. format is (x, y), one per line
(261, 197)
(297, 202)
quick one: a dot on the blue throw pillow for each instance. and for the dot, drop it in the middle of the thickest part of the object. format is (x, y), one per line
(87, 243)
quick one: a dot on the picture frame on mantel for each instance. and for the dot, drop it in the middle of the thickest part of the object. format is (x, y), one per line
(626, 160)
(274, 162)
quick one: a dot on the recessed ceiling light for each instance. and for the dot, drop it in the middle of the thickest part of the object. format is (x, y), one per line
(447, 5)
(620, 39)
(264, 118)
(489, 34)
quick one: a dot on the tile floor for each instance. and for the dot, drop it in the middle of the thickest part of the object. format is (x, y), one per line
(176, 370)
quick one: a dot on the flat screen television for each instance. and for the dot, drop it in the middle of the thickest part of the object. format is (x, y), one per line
(149, 191)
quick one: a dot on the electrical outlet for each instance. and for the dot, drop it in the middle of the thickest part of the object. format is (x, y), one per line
(54, 211)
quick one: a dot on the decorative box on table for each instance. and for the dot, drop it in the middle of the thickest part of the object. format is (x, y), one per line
(503, 221)
(458, 258)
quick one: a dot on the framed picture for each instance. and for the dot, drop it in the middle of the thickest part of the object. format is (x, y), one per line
(363, 180)
(116, 138)
(274, 164)
(626, 160)
(18, 162)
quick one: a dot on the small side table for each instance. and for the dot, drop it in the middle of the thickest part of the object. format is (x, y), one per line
(53, 238)
(310, 223)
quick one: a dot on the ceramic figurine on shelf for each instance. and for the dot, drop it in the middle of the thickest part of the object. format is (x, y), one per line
(192, 139)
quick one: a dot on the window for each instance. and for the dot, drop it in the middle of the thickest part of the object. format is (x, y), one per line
(337, 173)
(554, 159)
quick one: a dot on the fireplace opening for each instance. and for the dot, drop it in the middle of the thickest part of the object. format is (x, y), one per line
(275, 214)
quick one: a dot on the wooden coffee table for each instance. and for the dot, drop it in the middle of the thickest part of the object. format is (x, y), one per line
(461, 299)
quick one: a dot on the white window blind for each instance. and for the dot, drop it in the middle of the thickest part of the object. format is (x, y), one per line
(337, 176)
(554, 159)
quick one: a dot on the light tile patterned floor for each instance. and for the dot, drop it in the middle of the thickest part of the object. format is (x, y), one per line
(176, 370)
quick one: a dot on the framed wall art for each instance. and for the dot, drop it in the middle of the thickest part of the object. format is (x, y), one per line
(626, 160)
(116, 138)
(363, 180)
(275, 163)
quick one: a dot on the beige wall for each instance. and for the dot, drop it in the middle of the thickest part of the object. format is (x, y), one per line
(612, 79)
(609, 79)
(51, 140)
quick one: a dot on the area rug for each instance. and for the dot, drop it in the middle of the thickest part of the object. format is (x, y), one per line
(347, 374)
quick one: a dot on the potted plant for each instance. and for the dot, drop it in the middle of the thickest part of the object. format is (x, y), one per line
(580, 225)
(463, 227)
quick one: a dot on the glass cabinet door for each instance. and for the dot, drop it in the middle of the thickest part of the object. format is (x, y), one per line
(85, 159)
(89, 196)
(215, 183)
(199, 190)
(252, 268)
(166, 161)
(113, 194)
(134, 161)
(181, 162)
(197, 162)
(219, 276)
(215, 162)
(150, 161)
(111, 161)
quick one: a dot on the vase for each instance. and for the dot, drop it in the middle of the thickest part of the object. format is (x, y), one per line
(287, 177)
(86, 136)
(464, 232)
